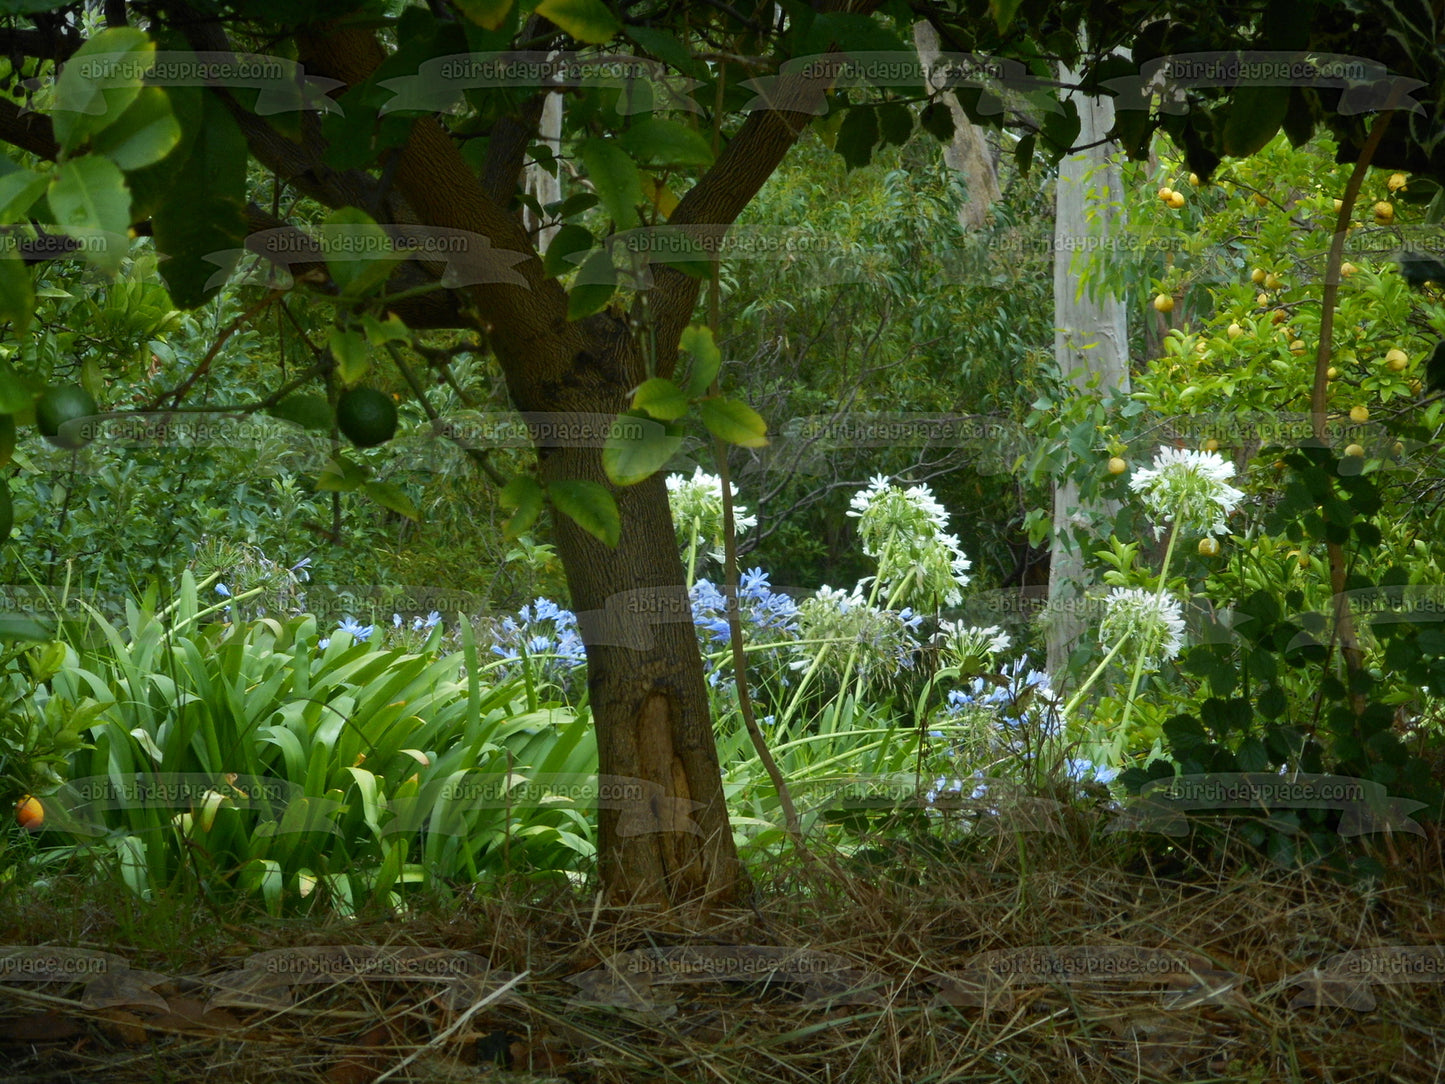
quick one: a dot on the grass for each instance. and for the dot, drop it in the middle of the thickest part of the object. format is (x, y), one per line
(916, 908)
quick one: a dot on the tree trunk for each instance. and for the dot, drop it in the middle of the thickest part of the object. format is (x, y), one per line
(544, 185)
(668, 840)
(1090, 340)
(968, 154)
(664, 836)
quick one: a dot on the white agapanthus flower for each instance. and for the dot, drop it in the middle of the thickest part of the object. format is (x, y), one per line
(839, 599)
(904, 530)
(841, 633)
(973, 641)
(1190, 488)
(1147, 624)
(697, 505)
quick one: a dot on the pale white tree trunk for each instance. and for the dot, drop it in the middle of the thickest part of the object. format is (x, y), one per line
(538, 182)
(968, 154)
(1090, 338)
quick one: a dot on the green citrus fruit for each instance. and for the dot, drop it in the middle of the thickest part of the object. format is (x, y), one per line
(60, 405)
(7, 438)
(366, 416)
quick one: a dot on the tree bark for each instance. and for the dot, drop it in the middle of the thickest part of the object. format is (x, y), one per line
(670, 840)
(1090, 342)
(542, 184)
(968, 154)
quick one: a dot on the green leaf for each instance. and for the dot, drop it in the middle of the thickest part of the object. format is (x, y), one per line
(1024, 152)
(88, 196)
(19, 189)
(488, 14)
(586, 20)
(697, 340)
(628, 457)
(661, 399)
(393, 497)
(1003, 12)
(363, 257)
(523, 496)
(671, 142)
(573, 205)
(663, 45)
(17, 393)
(937, 120)
(311, 412)
(735, 422)
(1255, 115)
(857, 137)
(144, 134)
(17, 305)
(341, 475)
(570, 239)
(380, 332)
(353, 358)
(895, 123)
(200, 225)
(98, 84)
(590, 506)
(150, 184)
(617, 180)
(1060, 129)
(598, 283)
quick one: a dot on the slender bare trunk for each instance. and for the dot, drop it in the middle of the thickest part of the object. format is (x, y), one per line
(968, 154)
(1090, 340)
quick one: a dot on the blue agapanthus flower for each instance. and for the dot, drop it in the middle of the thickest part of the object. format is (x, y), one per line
(766, 617)
(546, 634)
(1082, 770)
(1024, 695)
(356, 628)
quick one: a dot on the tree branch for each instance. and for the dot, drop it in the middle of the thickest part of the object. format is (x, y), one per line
(532, 337)
(719, 197)
(31, 132)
